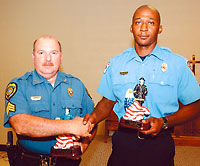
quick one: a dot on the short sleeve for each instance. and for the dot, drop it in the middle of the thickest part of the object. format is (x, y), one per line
(188, 87)
(105, 87)
(15, 102)
(88, 104)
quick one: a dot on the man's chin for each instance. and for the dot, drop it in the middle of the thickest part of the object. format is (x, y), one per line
(48, 75)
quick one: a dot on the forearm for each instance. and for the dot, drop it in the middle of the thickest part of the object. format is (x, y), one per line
(184, 114)
(87, 140)
(34, 126)
(102, 110)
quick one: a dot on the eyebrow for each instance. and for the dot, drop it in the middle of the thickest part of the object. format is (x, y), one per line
(50, 51)
(147, 18)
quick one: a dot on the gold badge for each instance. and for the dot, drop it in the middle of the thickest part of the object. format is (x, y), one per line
(70, 92)
(11, 90)
(164, 67)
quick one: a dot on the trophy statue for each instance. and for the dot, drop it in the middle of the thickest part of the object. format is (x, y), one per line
(135, 112)
(66, 146)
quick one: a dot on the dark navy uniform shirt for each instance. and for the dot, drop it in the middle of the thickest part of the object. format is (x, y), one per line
(32, 94)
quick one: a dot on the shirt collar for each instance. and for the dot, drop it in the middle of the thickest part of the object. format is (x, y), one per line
(61, 77)
(156, 52)
(37, 78)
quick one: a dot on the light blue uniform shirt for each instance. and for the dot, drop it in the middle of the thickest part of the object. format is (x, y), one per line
(167, 77)
(32, 94)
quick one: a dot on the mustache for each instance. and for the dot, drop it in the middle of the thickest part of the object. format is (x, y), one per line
(47, 64)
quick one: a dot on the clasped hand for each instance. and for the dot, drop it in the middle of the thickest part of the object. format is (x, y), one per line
(155, 126)
(79, 129)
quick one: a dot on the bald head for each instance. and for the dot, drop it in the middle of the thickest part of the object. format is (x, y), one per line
(47, 57)
(46, 37)
(145, 29)
(146, 8)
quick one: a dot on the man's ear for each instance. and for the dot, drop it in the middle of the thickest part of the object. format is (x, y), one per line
(131, 29)
(160, 29)
(61, 57)
(33, 57)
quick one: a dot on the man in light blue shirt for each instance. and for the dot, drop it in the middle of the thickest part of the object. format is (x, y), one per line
(168, 81)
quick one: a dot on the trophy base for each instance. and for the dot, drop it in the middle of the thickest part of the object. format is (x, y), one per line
(137, 125)
(72, 153)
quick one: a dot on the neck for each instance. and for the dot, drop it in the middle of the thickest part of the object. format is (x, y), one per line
(144, 50)
(52, 79)
(49, 77)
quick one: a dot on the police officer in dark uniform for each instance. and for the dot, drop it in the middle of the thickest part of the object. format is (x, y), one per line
(34, 101)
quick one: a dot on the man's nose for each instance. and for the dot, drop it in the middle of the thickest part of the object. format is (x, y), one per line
(144, 27)
(48, 57)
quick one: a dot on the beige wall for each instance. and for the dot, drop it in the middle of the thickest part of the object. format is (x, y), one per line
(90, 31)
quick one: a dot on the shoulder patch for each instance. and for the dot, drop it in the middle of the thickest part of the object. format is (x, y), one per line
(10, 90)
(106, 68)
(189, 66)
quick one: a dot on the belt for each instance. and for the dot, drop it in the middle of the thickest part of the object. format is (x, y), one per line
(44, 159)
(141, 135)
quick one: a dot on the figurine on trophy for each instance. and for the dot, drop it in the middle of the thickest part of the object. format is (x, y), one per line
(66, 146)
(135, 112)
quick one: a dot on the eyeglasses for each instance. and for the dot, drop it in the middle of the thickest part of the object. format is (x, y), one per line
(44, 53)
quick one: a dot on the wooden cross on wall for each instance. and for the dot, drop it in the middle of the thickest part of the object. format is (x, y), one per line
(193, 62)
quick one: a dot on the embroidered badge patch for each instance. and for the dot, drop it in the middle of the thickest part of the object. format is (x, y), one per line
(11, 90)
(189, 65)
(10, 108)
(106, 68)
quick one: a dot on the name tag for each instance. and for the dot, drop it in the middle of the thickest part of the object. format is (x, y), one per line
(123, 72)
(35, 98)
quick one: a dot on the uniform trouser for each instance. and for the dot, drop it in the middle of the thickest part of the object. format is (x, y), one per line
(27, 158)
(129, 150)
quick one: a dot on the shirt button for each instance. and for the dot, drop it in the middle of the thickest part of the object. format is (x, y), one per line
(162, 83)
(54, 104)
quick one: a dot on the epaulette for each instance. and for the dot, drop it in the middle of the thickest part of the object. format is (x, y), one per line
(128, 50)
(26, 75)
(166, 48)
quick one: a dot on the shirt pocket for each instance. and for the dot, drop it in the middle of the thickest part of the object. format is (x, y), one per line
(162, 89)
(40, 109)
(123, 79)
(163, 80)
(121, 84)
(74, 107)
